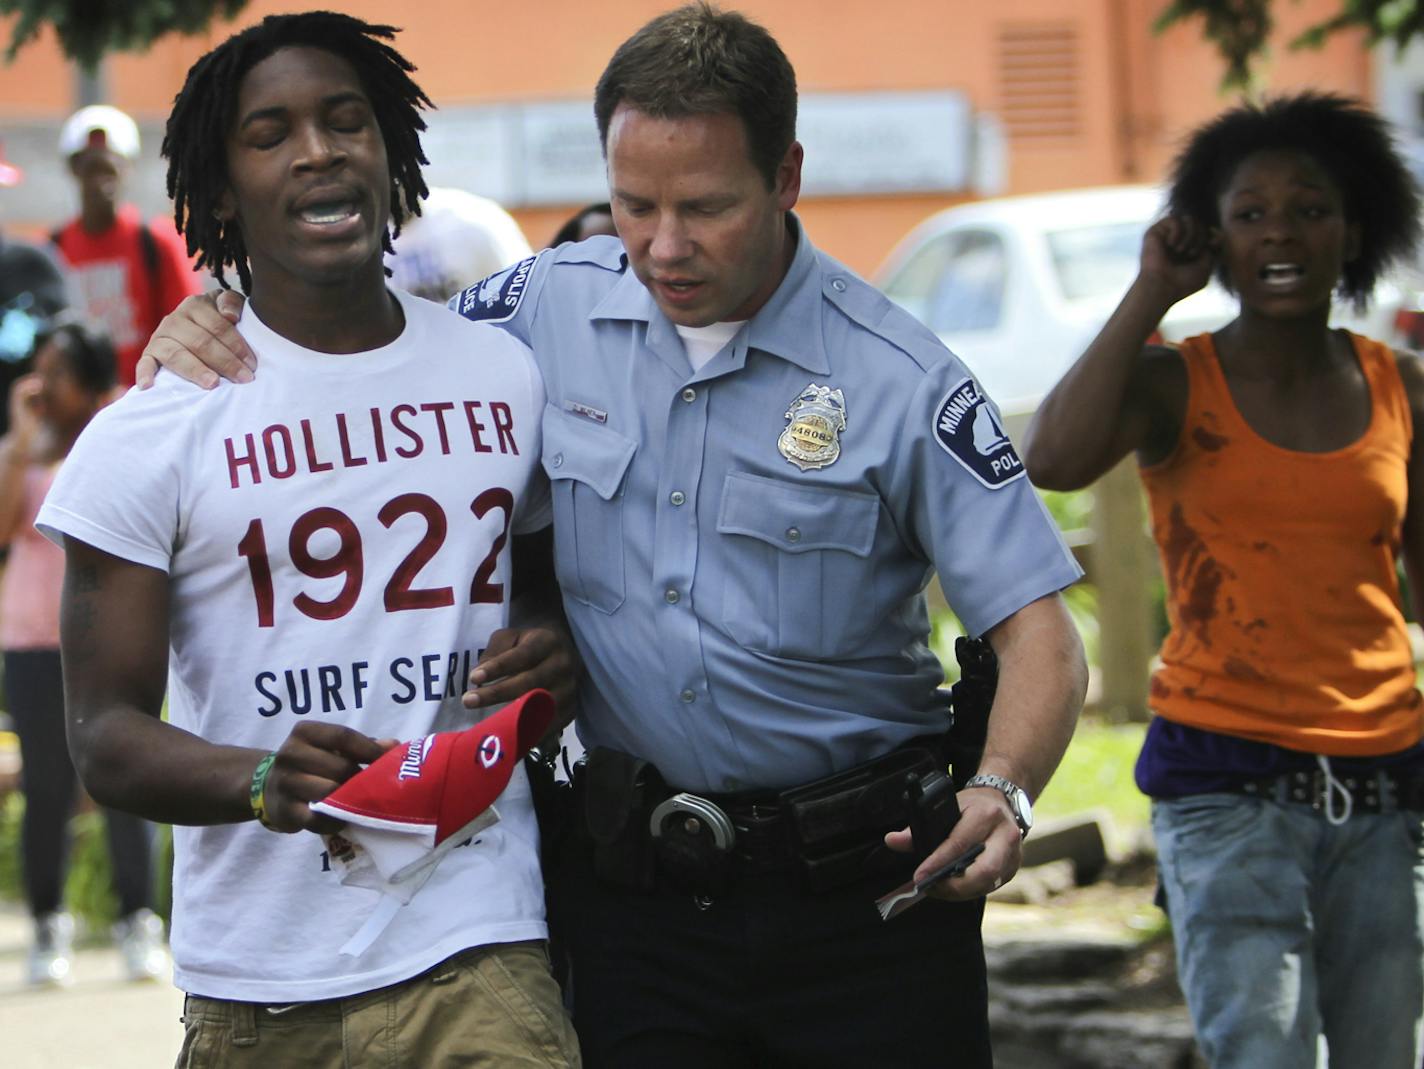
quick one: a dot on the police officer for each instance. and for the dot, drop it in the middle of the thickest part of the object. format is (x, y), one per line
(757, 460)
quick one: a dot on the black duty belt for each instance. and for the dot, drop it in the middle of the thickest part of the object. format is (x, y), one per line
(1382, 791)
(825, 834)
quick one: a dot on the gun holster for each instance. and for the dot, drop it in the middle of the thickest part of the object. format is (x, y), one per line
(619, 792)
(970, 701)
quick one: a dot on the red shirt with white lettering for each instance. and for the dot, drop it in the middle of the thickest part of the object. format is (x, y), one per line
(117, 286)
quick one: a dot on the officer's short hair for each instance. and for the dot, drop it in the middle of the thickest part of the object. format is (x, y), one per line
(698, 60)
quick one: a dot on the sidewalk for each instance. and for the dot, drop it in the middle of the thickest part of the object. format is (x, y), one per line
(101, 1021)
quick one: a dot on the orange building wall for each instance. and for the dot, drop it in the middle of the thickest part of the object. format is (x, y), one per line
(1177, 74)
(1136, 94)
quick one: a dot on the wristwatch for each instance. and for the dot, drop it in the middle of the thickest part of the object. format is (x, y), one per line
(1017, 796)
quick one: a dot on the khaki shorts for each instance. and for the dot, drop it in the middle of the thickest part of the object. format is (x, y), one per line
(490, 1006)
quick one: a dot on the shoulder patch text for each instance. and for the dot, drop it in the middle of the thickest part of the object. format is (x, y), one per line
(968, 429)
(496, 298)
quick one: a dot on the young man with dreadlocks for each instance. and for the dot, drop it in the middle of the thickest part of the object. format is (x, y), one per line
(317, 560)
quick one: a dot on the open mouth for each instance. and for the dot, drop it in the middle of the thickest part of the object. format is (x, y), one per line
(327, 213)
(1280, 274)
(679, 291)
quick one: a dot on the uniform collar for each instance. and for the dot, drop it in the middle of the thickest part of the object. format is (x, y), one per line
(788, 325)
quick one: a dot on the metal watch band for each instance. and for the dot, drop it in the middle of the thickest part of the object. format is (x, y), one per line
(1010, 790)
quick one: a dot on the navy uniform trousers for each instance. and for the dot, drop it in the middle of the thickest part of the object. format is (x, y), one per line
(769, 976)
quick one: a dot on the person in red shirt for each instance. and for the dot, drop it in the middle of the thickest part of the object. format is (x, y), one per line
(127, 273)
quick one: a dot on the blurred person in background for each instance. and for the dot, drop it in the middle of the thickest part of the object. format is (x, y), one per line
(589, 221)
(1285, 472)
(127, 273)
(73, 378)
(32, 289)
(458, 236)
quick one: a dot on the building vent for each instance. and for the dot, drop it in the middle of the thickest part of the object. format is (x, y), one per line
(1038, 80)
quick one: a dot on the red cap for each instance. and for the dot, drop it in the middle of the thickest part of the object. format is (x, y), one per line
(447, 779)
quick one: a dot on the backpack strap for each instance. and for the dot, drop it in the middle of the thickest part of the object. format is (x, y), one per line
(148, 247)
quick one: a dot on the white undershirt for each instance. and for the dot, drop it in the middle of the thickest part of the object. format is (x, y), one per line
(703, 343)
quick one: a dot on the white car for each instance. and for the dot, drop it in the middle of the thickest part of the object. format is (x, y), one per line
(1018, 286)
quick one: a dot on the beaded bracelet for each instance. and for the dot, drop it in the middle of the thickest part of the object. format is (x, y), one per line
(257, 795)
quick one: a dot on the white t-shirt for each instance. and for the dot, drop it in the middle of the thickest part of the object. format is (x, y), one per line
(336, 537)
(703, 343)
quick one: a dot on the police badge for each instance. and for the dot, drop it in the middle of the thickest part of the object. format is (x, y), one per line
(814, 422)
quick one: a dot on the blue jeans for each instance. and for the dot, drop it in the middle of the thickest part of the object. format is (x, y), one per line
(1288, 928)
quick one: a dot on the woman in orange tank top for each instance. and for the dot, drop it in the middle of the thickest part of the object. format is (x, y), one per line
(1285, 483)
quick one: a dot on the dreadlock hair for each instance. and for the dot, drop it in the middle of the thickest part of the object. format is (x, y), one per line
(698, 60)
(1350, 142)
(205, 109)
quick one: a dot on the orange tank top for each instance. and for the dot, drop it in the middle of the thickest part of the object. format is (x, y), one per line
(1282, 595)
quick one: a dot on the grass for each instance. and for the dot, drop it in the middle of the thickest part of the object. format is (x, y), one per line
(1096, 773)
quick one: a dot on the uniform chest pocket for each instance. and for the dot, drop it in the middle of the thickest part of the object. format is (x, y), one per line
(586, 464)
(799, 564)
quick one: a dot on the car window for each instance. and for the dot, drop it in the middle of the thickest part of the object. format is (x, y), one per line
(1095, 261)
(954, 282)
(969, 294)
(912, 285)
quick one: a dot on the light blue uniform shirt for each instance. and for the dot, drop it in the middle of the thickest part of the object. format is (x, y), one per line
(746, 620)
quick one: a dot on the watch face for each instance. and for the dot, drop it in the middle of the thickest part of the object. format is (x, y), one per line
(1024, 808)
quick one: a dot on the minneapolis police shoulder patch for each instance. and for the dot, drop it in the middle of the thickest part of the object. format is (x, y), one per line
(967, 427)
(497, 298)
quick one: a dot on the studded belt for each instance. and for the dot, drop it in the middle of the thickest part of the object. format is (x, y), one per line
(1378, 792)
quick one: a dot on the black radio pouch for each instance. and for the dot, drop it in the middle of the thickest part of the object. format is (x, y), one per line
(838, 822)
(619, 792)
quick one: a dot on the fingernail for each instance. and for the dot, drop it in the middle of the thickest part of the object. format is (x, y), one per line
(209, 381)
(244, 374)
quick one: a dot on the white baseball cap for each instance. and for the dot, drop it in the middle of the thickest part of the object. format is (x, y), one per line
(99, 124)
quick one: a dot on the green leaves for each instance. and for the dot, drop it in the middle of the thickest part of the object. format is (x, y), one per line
(88, 29)
(1240, 28)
